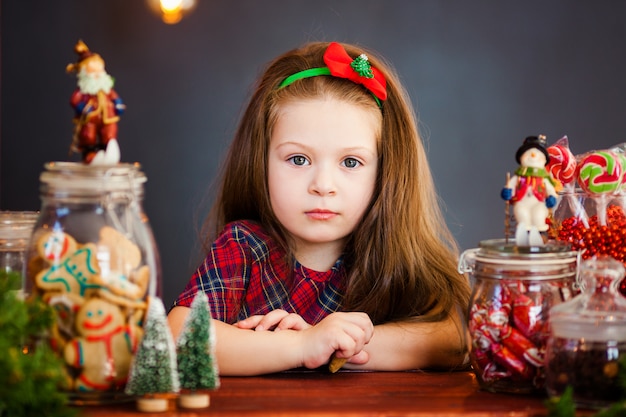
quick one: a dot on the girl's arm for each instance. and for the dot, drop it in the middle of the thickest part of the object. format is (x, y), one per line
(249, 352)
(394, 346)
(410, 345)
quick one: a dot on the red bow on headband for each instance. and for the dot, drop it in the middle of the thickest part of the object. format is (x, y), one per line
(356, 70)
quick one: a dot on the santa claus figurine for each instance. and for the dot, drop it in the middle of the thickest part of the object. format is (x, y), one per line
(532, 192)
(97, 109)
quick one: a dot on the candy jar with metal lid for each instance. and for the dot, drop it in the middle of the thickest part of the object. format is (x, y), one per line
(588, 339)
(92, 257)
(15, 230)
(513, 289)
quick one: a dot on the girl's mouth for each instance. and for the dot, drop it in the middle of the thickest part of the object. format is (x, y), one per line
(321, 214)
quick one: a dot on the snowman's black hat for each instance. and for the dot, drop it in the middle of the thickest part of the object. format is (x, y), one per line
(537, 142)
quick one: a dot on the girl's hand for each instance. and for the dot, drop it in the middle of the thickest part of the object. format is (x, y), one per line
(274, 320)
(342, 334)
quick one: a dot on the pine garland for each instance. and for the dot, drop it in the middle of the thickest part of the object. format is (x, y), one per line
(31, 375)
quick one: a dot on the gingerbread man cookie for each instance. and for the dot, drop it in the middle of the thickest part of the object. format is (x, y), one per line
(65, 306)
(123, 279)
(103, 349)
(72, 269)
(55, 246)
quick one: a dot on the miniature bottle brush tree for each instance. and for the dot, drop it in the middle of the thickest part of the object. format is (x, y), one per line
(154, 372)
(195, 346)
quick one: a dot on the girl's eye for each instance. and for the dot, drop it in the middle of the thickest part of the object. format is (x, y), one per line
(298, 160)
(351, 163)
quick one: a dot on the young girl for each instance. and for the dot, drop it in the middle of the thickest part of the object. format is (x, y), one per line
(328, 238)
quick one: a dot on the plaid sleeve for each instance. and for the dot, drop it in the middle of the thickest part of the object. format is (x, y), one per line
(224, 275)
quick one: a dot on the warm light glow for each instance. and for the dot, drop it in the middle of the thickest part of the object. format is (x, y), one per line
(168, 6)
(171, 11)
(172, 17)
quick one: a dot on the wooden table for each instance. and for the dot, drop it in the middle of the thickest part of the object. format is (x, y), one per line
(350, 394)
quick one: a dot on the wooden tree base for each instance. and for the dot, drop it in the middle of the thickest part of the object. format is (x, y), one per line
(152, 405)
(195, 400)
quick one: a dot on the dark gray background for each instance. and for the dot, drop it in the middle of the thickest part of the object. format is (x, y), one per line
(483, 74)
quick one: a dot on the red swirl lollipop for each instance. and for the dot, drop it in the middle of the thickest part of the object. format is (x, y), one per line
(562, 164)
(622, 159)
(600, 172)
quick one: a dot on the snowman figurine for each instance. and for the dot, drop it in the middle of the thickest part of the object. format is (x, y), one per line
(531, 191)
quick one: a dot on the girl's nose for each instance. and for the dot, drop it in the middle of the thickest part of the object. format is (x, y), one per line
(322, 182)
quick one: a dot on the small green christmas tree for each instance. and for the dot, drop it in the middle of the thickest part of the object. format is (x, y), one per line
(154, 371)
(195, 348)
(31, 375)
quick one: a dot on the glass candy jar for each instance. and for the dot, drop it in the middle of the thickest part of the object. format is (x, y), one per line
(513, 289)
(588, 339)
(93, 258)
(593, 224)
(15, 230)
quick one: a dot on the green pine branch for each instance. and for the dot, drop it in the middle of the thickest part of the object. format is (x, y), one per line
(564, 406)
(31, 375)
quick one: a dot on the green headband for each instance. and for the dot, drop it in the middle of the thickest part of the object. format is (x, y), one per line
(341, 65)
(311, 72)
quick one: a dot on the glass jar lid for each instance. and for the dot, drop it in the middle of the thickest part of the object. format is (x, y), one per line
(16, 227)
(506, 249)
(79, 178)
(503, 259)
(598, 313)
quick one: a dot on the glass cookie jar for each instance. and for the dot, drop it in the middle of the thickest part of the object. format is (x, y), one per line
(513, 289)
(16, 228)
(93, 258)
(587, 347)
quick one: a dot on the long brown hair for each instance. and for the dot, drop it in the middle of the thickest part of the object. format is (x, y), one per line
(401, 258)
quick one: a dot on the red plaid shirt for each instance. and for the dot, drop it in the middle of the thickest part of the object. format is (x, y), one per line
(245, 274)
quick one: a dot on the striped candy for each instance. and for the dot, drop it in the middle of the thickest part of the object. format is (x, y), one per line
(621, 157)
(600, 172)
(562, 164)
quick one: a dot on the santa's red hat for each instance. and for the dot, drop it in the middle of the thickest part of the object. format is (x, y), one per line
(84, 56)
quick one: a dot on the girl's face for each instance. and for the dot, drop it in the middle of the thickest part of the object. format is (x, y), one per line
(322, 164)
